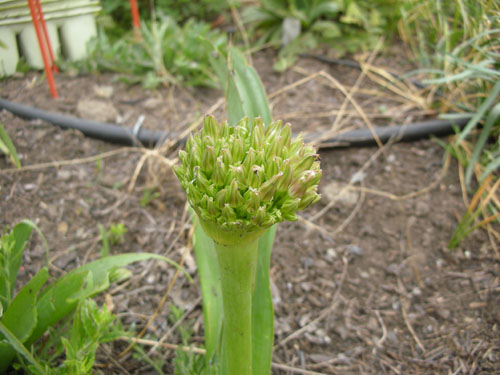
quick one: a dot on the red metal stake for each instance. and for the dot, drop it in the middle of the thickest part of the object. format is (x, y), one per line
(136, 22)
(47, 38)
(43, 42)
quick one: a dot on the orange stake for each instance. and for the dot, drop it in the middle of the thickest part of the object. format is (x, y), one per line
(44, 43)
(46, 36)
(136, 22)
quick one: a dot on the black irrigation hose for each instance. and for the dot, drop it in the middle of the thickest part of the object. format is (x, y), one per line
(127, 136)
(104, 131)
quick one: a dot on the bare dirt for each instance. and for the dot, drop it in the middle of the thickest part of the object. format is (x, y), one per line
(363, 283)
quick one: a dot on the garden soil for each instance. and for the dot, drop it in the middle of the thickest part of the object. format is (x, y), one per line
(363, 283)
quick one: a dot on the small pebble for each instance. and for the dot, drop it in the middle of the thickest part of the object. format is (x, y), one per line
(355, 250)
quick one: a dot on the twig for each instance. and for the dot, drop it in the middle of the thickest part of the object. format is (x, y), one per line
(382, 339)
(62, 163)
(295, 369)
(166, 345)
(409, 326)
(294, 85)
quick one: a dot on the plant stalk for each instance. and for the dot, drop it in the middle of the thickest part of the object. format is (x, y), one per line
(237, 266)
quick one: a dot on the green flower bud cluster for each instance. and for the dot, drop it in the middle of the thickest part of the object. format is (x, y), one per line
(248, 177)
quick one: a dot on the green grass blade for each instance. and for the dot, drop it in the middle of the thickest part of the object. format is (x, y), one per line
(8, 147)
(208, 270)
(492, 118)
(262, 308)
(483, 108)
(490, 167)
(19, 347)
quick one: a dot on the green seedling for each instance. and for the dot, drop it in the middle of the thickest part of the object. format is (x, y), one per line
(90, 327)
(8, 148)
(37, 306)
(148, 196)
(116, 233)
(241, 181)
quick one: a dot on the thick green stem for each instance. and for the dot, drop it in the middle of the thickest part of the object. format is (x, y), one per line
(237, 265)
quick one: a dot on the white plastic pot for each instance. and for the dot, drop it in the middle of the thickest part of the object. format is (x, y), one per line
(70, 25)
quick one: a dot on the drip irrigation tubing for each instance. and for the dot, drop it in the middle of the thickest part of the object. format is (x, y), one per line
(134, 136)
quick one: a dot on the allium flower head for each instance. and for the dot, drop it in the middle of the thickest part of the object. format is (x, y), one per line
(248, 177)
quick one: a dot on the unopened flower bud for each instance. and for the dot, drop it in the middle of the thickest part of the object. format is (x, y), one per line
(211, 127)
(248, 177)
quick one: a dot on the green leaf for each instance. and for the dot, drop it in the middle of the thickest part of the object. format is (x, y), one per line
(354, 15)
(20, 318)
(8, 148)
(208, 270)
(492, 119)
(327, 29)
(105, 241)
(12, 246)
(262, 308)
(19, 348)
(250, 88)
(61, 298)
(23, 307)
(326, 8)
(483, 108)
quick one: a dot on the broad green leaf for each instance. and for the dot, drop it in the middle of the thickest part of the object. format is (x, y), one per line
(8, 148)
(15, 241)
(262, 308)
(327, 29)
(20, 318)
(208, 270)
(19, 348)
(61, 297)
(326, 8)
(23, 307)
(250, 88)
(57, 301)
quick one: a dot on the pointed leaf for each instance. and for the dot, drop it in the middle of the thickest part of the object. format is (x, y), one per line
(18, 347)
(262, 308)
(8, 148)
(61, 298)
(250, 88)
(22, 309)
(208, 270)
(17, 238)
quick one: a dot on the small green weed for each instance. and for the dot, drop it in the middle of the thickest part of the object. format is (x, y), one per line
(179, 10)
(148, 196)
(113, 236)
(187, 362)
(8, 148)
(91, 327)
(39, 305)
(116, 233)
(166, 54)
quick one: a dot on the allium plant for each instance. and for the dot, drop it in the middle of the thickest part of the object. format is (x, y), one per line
(241, 180)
